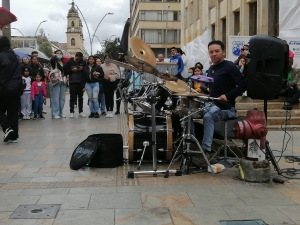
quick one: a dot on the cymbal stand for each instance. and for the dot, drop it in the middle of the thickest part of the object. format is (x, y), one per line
(130, 174)
(185, 141)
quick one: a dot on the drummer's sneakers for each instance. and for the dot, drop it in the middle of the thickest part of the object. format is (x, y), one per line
(117, 113)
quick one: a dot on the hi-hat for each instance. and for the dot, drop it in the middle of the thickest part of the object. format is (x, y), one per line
(124, 65)
(142, 65)
(142, 51)
(179, 86)
(189, 94)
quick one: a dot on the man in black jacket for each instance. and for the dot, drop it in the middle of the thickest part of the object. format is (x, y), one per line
(11, 88)
(74, 68)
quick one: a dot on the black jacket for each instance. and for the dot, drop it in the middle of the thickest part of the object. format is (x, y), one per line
(36, 69)
(89, 77)
(10, 74)
(75, 77)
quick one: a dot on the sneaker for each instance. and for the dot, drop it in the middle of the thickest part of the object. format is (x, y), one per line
(92, 115)
(202, 161)
(111, 115)
(82, 115)
(107, 114)
(8, 134)
(56, 117)
(41, 116)
(35, 117)
(117, 113)
(103, 113)
(71, 115)
(12, 141)
(63, 116)
(97, 115)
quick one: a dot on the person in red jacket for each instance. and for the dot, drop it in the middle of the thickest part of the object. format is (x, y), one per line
(38, 94)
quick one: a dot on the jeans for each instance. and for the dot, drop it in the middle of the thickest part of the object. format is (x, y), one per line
(58, 92)
(92, 90)
(38, 104)
(9, 114)
(213, 114)
(101, 98)
(76, 90)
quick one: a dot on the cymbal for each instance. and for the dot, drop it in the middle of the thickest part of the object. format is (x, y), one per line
(166, 76)
(142, 51)
(124, 65)
(179, 86)
(189, 94)
(141, 64)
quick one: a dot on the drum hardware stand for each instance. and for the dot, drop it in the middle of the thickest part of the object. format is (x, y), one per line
(186, 141)
(145, 144)
(130, 174)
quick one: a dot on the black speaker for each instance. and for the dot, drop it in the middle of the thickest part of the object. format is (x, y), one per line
(268, 67)
(110, 151)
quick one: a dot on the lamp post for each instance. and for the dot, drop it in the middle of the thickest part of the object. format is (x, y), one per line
(111, 36)
(166, 48)
(20, 33)
(7, 32)
(39, 26)
(98, 26)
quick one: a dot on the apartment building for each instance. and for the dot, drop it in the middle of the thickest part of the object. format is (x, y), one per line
(157, 23)
(225, 18)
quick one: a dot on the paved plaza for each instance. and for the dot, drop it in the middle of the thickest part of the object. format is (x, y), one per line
(36, 171)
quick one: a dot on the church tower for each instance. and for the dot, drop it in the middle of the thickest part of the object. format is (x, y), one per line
(74, 32)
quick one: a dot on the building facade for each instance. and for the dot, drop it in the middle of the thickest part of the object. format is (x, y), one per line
(157, 23)
(226, 18)
(74, 32)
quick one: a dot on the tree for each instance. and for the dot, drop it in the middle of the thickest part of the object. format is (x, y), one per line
(111, 48)
(46, 48)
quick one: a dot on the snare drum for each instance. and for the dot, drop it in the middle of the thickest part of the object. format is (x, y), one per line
(159, 91)
(170, 68)
(180, 105)
(140, 130)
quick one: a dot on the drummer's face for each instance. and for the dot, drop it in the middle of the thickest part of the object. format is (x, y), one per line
(216, 53)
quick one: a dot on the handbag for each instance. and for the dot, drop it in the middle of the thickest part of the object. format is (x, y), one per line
(55, 75)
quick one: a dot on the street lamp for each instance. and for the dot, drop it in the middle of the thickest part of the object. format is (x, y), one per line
(20, 33)
(39, 26)
(111, 36)
(166, 48)
(98, 26)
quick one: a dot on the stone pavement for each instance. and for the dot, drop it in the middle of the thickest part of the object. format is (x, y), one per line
(36, 171)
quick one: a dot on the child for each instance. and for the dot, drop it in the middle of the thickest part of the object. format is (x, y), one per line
(26, 96)
(38, 94)
(197, 85)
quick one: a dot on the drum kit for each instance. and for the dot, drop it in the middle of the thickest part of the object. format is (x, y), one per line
(150, 127)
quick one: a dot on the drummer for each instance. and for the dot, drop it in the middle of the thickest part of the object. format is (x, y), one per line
(228, 84)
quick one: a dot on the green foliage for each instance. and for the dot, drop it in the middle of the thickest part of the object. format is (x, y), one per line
(111, 48)
(46, 48)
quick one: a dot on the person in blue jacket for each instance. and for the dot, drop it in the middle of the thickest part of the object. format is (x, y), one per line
(176, 58)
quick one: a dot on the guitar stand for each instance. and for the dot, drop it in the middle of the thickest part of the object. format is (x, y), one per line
(154, 172)
(185, 141)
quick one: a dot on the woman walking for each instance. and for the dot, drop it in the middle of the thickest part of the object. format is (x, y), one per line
(93, 74)
(111, 73)
(57, 85)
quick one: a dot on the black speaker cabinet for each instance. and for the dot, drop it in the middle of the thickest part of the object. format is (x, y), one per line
(110, 151)
(268, 67)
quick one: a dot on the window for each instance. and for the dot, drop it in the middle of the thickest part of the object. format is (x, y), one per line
(73, 42)
(72, 24)
(236, 23)
(213, 32)
(151, 36)
(273, 25)
(224, 37)
(253, 18)
(150, 15)
(175, 16)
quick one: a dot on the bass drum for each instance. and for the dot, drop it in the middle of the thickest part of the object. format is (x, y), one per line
(140, 130)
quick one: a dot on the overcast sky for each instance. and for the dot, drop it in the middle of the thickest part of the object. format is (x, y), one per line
(31, 12)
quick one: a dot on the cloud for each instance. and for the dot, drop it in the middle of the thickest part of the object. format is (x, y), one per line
(31, 12)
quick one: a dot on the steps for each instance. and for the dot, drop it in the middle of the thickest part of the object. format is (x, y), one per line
(276, 116)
